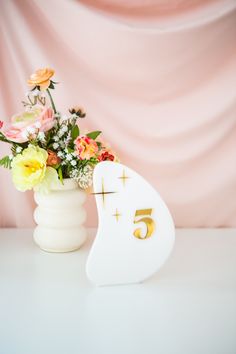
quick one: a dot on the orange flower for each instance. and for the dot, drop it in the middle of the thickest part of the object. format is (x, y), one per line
(85, 147)
(41, 78)
(53, 159)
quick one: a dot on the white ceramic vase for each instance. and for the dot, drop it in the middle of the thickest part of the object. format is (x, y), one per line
(59, 217)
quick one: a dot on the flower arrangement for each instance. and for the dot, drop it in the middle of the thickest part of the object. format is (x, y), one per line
(47, 147)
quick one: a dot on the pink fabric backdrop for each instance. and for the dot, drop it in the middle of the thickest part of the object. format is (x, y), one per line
(157, 77)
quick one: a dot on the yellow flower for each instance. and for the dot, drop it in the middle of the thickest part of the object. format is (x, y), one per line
(49, 181)
(41, 78)
(28, 168)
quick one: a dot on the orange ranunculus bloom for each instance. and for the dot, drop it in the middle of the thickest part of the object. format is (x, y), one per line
(41, 78)
(52, 159)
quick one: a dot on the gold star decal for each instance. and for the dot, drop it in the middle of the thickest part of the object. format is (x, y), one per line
(123, 177)
(103, 193)
(117, 215)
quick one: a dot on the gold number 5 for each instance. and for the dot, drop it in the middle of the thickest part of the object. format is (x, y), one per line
(147, 220)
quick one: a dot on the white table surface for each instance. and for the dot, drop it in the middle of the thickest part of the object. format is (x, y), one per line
(48, 306)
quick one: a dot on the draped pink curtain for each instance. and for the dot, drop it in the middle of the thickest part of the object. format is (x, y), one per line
(157, 77)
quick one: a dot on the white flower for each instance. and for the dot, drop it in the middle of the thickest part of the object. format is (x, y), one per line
(64, 117)
(56, 138)
(64, 128)
(35, 92)
(62, 144)
(69, 157)
(60, 133)
(25, 134)
(37, 125)
(55, 145)
(30, 130)
(73, 173)
(41, 136)
(28, 108)
(73, 163)
(60, 154)
(10, 157)
(18, 149)
(84, 177)
(67, 139)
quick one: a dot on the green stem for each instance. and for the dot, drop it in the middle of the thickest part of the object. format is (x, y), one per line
(4, 139)
(52, 103)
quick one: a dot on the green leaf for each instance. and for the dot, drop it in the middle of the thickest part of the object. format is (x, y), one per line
(75, 132)
(94, 135)
(59, 171)
(93, 161)
(4, 139)
(35, 87)
(51, 86)
(5, 162)
(99, 144)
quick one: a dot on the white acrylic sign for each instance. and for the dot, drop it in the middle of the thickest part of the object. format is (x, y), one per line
(136, 232)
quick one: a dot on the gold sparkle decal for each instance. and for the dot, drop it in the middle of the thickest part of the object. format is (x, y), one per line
(123, 177)
(103, 193)
(117, 215)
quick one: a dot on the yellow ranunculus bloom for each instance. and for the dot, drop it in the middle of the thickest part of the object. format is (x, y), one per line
(49, 181)
(28, 168)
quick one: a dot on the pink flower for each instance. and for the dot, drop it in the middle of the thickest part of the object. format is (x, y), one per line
(1, 124)
(27, 123)
(85, 147)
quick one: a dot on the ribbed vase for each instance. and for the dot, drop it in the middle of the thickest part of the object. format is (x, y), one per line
(60, 216)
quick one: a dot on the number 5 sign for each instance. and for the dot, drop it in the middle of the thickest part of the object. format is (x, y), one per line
(136, 232)
(148, 221)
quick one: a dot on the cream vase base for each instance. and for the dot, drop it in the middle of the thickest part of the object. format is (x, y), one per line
(59, 216)
(59, 241)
